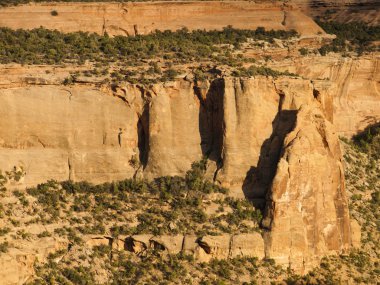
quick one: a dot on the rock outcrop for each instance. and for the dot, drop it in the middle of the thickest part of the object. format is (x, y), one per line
(343, 11)
(172, 108)
(353, 85)
(265, 137)
(307, 212)
(203, 249)
(17, 265)
(66, 133)
(92, 133)
(145, 17)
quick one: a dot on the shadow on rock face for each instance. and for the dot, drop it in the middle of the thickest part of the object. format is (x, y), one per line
(258, 179)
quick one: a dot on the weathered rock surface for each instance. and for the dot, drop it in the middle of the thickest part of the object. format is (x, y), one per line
(203, 249)
(354, 87)
(251, 245)
(145, 17)
(261, 133)
(306, 213)
(17, 265)
(213, 247)
(66, 133)
(92, 133)
(173, 108)
(250, 156)
(343, 10)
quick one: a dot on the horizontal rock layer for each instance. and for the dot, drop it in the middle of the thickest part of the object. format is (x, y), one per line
(145, 17)
(343, 10)
(17, 265)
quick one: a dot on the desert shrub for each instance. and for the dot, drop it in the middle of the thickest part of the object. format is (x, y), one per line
(44, 234)
(78, 275)
(368, 141)
(353, 36)
(254, 70)
(4, 247)
(4, 231)
(303, 51)
(170, 74)
(42, 46)
(102, 250)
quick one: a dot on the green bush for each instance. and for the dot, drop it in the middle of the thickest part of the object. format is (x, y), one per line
(42, 46)
(368, 141)
(303, 51)
(353, 36)
(4, 247)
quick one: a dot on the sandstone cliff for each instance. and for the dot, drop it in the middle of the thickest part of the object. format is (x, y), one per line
(92, 133)
(145, 17)
(342, 11)
(307, 213)
(254, 130)
(64, 135)
(353, 84)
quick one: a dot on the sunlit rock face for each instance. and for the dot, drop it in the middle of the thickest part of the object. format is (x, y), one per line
(145, 17)
(269, 140)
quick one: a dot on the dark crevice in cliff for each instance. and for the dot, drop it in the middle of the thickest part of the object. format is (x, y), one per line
(259, 179)
(69, 168)
(211, 118)
(317, 95)
(143, 136)
(284, 19)
(119, 135)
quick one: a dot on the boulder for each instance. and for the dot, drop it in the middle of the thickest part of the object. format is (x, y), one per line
(210, 247)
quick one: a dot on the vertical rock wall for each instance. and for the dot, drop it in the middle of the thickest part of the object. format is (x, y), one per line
(267, 138)
(307, 212)
(174, 136)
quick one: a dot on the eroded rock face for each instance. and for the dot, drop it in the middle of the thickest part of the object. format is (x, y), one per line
(92, 133)
(251, 245)
(342, 11)
(352, 84)
(146, 17)
(258, 113)
(66, 133)
(174, 136)
(306, 213)
(17, 265)
(260, 133)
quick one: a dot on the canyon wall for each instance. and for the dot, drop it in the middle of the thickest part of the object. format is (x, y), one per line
(142, 18)
(307, 211)
(254, 130)
(66, 133)
(343, 11)
(353, 83)
(89, 132)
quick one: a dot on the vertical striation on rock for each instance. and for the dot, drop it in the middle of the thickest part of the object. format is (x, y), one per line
(249, 105)
(271, 138)
(174, 137)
